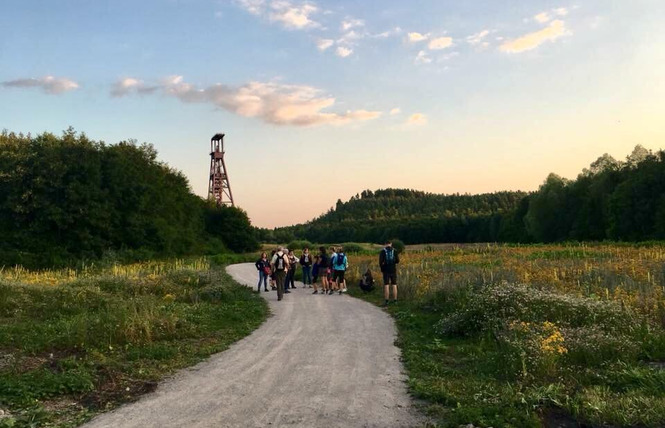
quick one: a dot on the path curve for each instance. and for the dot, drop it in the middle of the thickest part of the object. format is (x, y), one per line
(319, 361)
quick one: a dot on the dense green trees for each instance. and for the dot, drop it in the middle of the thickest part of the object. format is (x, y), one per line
(66, 198)
(610, 200)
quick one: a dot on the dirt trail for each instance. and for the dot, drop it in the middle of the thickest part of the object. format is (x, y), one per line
(319, 361)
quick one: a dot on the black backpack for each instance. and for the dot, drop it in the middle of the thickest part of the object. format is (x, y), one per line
(339, 260)
(280, 263)
(367, 282)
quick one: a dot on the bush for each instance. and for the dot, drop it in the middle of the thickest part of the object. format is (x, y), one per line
(299, 245)
(353, 247)
(398, 245)
(491, 307)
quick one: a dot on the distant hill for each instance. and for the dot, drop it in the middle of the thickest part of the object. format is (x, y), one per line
(609, 200)
(413, 216)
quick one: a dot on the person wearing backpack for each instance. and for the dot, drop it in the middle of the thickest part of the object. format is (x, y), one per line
(332, 284)
(322, 270)
(291, 273)
(388, 261)
(339, 263)
(306, 263)
(315, 273)
(280, 265)
(263, 266)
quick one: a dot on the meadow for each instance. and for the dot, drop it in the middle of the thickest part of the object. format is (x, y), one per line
(77, 342)
(540, 335)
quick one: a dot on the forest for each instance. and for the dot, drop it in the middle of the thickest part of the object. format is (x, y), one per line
(64, 199)
(610, 200)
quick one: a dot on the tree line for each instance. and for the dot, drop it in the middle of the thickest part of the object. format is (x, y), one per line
(66, 198)
(610, 200)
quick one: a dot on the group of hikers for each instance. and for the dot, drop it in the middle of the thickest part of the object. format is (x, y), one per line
(323, 272)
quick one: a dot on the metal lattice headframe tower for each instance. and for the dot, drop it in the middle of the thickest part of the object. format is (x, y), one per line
(219, 188)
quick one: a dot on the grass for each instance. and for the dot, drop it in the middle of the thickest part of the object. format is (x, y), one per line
(531, 336)
(75, 343)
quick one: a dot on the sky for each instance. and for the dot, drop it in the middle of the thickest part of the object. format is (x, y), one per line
(320, 100)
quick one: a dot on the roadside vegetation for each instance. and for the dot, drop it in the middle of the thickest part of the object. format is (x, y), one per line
(519, 336)
(77, 342)
(68, 200)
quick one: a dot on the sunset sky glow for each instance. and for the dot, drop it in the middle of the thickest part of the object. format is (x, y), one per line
(323, 99)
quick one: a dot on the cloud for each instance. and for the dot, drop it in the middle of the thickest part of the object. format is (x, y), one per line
(350, 38)
(545, 17)
(530, 41)
(417, 119)
(323, 44)
(476, 39)
(48, 84)
(343, 51)
(386, 34)
(290, 15)
(423, 58)
(255, 7)
(274, 103)
(293, 17)
(350, 23)
(440, 43)
(128, 85)
(416, 37)
(395, 111)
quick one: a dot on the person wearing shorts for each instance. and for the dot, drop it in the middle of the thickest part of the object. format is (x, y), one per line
(339, 264)
(388, 261)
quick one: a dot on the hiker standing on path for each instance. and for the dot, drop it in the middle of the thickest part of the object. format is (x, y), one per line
(306, 263)
(339, 264)
(263, 266)
(315, 273)
(323, 268)
(280, 265)
(331, 279)
(291, 273)
(388, 261)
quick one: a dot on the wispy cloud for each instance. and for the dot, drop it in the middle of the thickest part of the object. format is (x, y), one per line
(294, 16)
(343, 52)
(440, 43)
(477, 39)
(555, 30)
(423, 58)
(547, 16)
(271, 102)
(395, 111)
(48, 84)
(350, 23)
(416, 37)
(255, 7)
(130, 85)
(323, 44)
(416, 119)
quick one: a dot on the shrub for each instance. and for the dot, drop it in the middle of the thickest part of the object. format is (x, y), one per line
(299, 245)
(491, 307)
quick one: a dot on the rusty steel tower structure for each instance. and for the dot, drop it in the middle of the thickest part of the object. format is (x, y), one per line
(219, 188)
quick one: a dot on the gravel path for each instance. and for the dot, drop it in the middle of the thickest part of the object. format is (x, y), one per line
(319, 361)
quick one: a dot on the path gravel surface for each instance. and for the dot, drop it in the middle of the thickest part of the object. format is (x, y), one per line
(318, 361)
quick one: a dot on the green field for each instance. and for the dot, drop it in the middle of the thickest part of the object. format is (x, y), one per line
(532, 336)
(74, 343)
